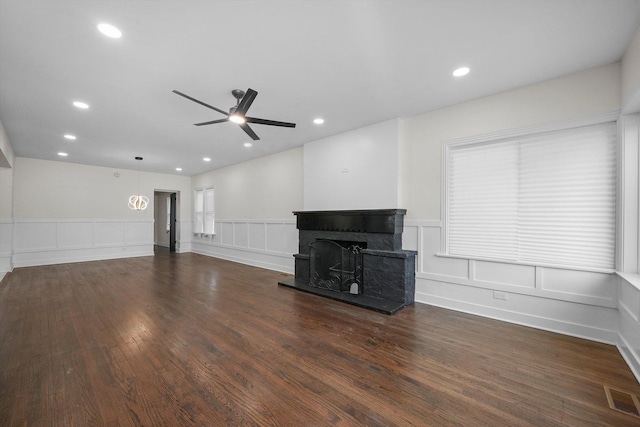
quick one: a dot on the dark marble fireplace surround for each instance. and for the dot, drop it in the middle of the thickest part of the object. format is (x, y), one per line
(386, 273)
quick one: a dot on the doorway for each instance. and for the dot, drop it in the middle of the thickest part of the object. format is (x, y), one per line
(166, 219)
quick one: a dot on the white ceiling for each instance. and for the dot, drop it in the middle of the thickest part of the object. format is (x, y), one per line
(353, 63)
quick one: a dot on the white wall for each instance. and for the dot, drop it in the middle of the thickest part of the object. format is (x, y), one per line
(47, 189)
(353, 170)
(253, 209)
(266, 188)
(66, 212)
(631, 76)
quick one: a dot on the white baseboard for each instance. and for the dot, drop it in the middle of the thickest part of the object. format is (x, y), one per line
(629, 356)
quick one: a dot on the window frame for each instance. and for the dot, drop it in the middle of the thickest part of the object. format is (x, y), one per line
(202, 224)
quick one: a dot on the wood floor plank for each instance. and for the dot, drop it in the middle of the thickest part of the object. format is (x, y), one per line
(188, 340)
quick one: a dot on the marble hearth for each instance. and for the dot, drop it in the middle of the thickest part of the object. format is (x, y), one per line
(356, 257)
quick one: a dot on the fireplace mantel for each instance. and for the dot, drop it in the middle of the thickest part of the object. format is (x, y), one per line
(389, 221)
(388, 271)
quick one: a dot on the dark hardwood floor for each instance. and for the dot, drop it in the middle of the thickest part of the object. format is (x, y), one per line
(184, 339)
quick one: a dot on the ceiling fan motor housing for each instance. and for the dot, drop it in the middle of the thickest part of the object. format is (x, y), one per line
(237, 94)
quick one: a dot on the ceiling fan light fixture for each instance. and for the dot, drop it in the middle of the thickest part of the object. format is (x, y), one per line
(81, 105)
(109, 30)
(248, 144)
(237, 118)
(462, 71)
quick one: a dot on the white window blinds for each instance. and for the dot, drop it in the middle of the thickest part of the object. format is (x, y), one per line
(198, 218)
(203, 221)
(542, 199)
(208, 211)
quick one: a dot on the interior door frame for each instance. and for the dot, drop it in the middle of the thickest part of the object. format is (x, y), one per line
(172, 222)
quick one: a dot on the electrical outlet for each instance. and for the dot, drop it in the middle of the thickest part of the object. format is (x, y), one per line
(500, 295)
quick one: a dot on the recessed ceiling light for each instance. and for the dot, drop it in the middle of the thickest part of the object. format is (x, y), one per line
(207, 159)
(71, 137)
(462, 71)
(248, 144)
(179, 169)
(82, 105)
(61, 154)
(110, 31)
(318, 121)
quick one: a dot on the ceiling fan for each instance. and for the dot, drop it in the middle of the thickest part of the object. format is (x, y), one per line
(237, 113)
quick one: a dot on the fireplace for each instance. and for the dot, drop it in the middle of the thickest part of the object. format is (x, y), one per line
(355, 257)
(336, 265)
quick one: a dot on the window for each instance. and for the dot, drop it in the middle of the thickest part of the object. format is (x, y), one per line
(208, 211)
(203, 222)
(543, 199)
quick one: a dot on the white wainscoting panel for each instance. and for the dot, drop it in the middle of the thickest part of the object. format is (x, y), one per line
(73, 235)
(257, 234)
(262, 243)
(629, 324)
(108, 233)
(241, 234)
(137, 232)
(35, 235)
(183, 236)
(599, 285)
(6, 246)
(506, 274)
(577, 303)
(51, 241)
(226, 233)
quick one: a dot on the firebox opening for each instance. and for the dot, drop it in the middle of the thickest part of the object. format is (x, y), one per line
(336, 265)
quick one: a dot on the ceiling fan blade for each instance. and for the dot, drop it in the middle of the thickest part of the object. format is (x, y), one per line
(212, 122)
(246, 101)
(245, 127)
(201, 103)
(269, 122)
